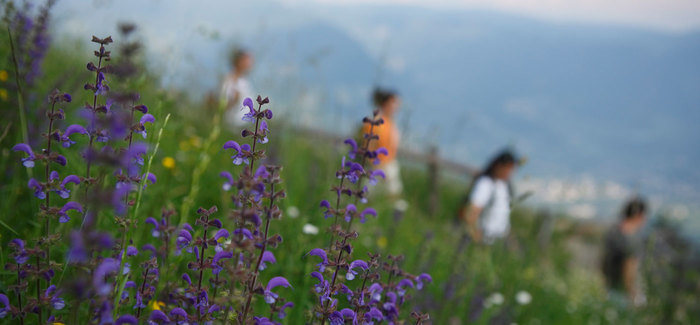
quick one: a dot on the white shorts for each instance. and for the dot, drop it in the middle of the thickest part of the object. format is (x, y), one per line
(392, 171)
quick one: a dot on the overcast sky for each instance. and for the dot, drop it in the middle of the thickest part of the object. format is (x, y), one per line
(673, 15)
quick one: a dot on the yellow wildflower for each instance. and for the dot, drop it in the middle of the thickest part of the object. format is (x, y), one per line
(3, 75)
(168, 162)
(382, 242)
(156, 305)
(195, 142)
(3, 94)
(184, 146)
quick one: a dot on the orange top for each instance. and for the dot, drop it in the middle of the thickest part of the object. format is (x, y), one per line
(388, 138)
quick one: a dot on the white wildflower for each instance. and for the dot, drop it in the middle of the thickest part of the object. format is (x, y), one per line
(494, 299)
(523, 297)
(310, 229)
(292, 211)
(401, 205)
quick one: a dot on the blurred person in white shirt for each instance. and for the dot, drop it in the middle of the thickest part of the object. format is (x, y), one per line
(236, 87)
(487, 215)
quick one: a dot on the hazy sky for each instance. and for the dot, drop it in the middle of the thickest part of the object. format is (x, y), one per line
(677, 15)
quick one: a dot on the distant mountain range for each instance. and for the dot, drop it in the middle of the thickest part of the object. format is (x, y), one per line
(611, 102)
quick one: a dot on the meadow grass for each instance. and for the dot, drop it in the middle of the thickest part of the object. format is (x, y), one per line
(467, 278)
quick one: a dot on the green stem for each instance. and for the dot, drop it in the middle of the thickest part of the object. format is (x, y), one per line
(20, 97)
(122, 279)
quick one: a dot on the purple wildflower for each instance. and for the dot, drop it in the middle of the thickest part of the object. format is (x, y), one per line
(271, 297)
(70, 130)
(158, 317)
(21, 256)
(228, 184)
(282, 313)
(365, 212)
(324, 258)
(29, 160)
(267, 257)
(250, 115)
(63, 215)
(126, 319)
(351, 270)
(6, 307)
(421, 279)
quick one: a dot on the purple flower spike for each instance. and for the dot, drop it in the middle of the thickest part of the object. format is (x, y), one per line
(267, 257)
(70, 130)
(63, 192)
(229, 180)
(183, 239)
(63, 215)
(29, 161)
(147, 118)
(216, 223)
(248, 102)
(263, 130)
(261, 172)
(60, 160)
(71, 179)
(56, 302)
(271, 297)
(243, 231)
(213, 308)
(21, 255)
(336, 318)
(318, 276)
(373, 176)
(126, 319)
(351, 270)
(103, 287)
(250, 116)
(353, 147)
(222, 233)
(282, 314)
(405, 283)
(322, 254)
(149, 248)
(423, 278)
(141, 108)
(375, 291)
(401, 286)
(238, 158)
(220, 255)
(367, 211)
(151, 177)
(187, 278)
(131, 251)
(350, 210)
(346, 291)
(268, 114)
(178, 312)
(373, 314)
(158, 317)
(38, 188)
(347, 313)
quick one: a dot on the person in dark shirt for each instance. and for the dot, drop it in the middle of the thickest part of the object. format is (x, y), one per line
(622, 250)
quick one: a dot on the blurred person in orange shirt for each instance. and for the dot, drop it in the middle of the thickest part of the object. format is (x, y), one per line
(387, 103)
